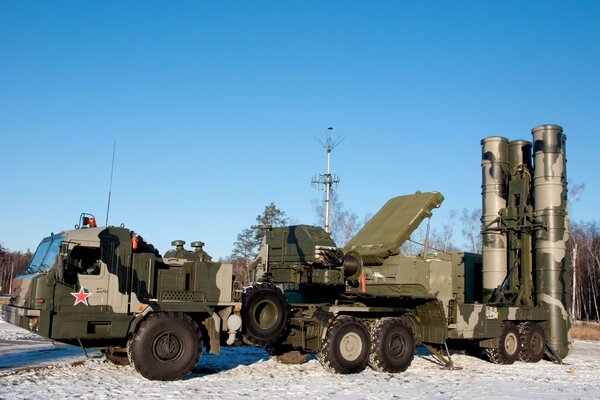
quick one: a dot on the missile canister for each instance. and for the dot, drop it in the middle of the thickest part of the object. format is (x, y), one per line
(519, 153)
(494, 167)
(552, 279)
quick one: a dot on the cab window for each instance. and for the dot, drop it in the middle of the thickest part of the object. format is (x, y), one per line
(85, 260)
(45, 256)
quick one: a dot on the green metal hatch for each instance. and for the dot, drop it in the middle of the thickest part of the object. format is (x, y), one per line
(383, 235)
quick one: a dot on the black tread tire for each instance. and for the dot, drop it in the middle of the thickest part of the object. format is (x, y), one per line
(116, 357)
(392, 346)
(287, 354)
(146, 346)
(533, 342)
(350, 332)
(509, 345)
(264, 313)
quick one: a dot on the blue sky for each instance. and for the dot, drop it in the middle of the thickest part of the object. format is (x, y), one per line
(215, 106)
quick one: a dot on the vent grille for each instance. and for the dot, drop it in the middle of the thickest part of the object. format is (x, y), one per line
(182, 295)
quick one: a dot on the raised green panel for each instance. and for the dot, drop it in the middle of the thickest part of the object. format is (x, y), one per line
(383, 235)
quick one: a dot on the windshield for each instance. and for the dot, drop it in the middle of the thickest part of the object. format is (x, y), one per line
(45, 255)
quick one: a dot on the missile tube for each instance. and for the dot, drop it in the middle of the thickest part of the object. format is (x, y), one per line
(519, 153)
(494, 167)
(552, 280)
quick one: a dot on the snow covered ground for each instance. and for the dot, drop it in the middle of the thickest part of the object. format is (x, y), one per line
(35, 369)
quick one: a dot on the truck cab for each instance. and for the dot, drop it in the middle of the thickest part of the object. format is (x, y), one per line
(97, 287)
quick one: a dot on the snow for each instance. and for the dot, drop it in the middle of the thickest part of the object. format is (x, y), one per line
(33, 368)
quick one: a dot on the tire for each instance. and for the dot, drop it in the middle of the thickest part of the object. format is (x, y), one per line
(509, 345)
(117, 357)
(287, 354)
(392, 346)
(264, 314)
(166, 347)
(346, 347)
(533, 342)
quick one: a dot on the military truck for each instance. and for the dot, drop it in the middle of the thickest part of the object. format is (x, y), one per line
(107, 288)
(367, 304)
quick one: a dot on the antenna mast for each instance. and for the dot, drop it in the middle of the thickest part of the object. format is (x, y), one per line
(112, 167)
(328, 180)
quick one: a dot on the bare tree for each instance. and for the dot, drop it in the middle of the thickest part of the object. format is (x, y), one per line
(471, 229)
(575, 192)
(440, 240)
(448, 232)
(416, 243)
(344, 223)
(584, 237)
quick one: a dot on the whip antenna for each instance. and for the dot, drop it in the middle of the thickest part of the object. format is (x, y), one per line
(112, 167)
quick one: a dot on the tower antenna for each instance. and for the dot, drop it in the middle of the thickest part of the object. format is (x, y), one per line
(328, 180)
(112, 168)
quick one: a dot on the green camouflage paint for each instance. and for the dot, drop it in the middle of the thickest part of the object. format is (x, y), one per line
(494, 167)
(552, 277)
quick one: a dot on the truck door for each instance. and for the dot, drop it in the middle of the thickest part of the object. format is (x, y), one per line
(81, 296)
(92, 275)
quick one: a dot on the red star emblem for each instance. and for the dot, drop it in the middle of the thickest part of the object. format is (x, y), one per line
(81, 297)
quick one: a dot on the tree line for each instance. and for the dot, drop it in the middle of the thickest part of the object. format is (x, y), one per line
(584, 248)
(12, 263)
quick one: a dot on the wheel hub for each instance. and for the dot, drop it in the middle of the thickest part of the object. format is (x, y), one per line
(396, 346)
(351, 346)
(167, 346)
(510, 343)
(266, 314)
(537, 343)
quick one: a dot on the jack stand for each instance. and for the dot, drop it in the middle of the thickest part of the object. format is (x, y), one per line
(551, 354)
(83, 348)
(444, 359)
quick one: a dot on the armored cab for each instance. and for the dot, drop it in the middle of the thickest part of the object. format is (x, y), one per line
(107, 288)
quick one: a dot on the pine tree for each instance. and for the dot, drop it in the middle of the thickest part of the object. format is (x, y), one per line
(247, 244)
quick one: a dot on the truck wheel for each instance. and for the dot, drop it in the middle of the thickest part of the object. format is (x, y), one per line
(287, 354)
(166, 347)
(117, 357)
(264, 313)
(509, 346)
(392, 346)
(533, 342)
(346, 347)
